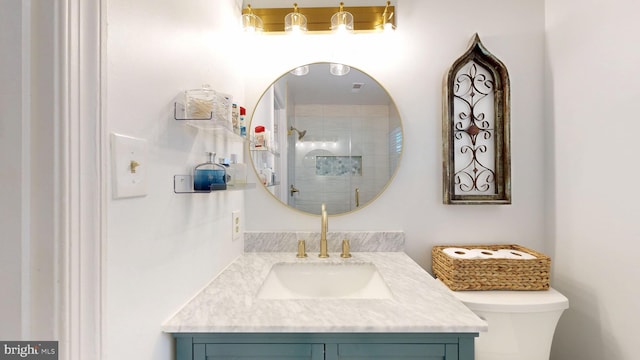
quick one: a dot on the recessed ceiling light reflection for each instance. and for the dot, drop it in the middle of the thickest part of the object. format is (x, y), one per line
(339, 69)
(300, 71)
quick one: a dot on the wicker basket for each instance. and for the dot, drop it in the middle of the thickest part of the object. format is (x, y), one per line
(492, 274)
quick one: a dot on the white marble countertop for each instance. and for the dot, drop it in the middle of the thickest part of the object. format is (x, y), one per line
(419, 303)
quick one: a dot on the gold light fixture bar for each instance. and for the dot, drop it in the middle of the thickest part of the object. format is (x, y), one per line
(319, 18)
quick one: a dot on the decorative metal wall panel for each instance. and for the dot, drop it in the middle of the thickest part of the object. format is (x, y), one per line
(476, 153)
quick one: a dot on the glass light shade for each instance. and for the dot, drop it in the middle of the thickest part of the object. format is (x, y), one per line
(295, 22)
(342, 21)
(339, 69)
(387, 24)
(251, 23)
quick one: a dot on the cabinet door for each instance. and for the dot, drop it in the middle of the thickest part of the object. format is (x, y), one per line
(389, 352)
(260, 352)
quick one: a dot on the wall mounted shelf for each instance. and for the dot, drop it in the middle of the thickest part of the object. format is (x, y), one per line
(264, 149)
(183, 184)
(210, 123)
(218, 121)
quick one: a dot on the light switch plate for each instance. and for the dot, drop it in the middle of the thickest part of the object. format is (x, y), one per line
(129, 166)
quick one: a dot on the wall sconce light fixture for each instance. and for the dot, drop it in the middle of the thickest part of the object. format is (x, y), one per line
(295, 22)
(387, 15)
(325, 19)
(342, 21)
(250, 21)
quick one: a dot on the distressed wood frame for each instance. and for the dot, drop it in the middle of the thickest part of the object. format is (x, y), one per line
(501, 90)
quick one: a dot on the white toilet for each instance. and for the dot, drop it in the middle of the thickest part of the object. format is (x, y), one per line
(521, 323)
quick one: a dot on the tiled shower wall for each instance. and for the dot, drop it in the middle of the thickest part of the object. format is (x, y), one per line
(341, 130)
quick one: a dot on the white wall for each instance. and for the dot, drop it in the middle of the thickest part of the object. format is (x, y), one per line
(163, 248)
(28, 265)
(11, 170)
(411, 64)
(592, 92)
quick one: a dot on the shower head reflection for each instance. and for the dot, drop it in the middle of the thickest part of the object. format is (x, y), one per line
(301, 134)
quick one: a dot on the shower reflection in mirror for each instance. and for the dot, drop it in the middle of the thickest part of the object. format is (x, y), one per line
(335, 134)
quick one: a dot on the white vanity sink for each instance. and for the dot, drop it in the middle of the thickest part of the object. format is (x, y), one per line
(400, 297)
(324, 280)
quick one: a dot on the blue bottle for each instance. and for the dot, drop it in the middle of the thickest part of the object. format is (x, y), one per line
(209, 176)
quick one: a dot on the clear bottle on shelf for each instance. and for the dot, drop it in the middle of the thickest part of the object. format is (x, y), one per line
(230, 176)
(259, 137)
(242, 121)
(235, 121)
(239, 170)
(268, 175)
(209, 176)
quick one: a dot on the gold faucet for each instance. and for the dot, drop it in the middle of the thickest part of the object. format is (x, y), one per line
(302, 253)
(346, 249)
(324, 225)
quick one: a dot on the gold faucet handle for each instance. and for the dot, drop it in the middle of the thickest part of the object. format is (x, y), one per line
(346, 249)
(302, 252)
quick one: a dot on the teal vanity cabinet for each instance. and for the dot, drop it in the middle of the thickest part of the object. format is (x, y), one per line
(324, 346)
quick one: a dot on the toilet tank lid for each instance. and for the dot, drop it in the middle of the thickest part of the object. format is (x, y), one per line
(513, 301)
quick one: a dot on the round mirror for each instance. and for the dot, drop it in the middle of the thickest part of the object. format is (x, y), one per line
(325, 133)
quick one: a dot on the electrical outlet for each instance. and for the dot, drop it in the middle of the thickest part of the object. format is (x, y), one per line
(236, 223)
